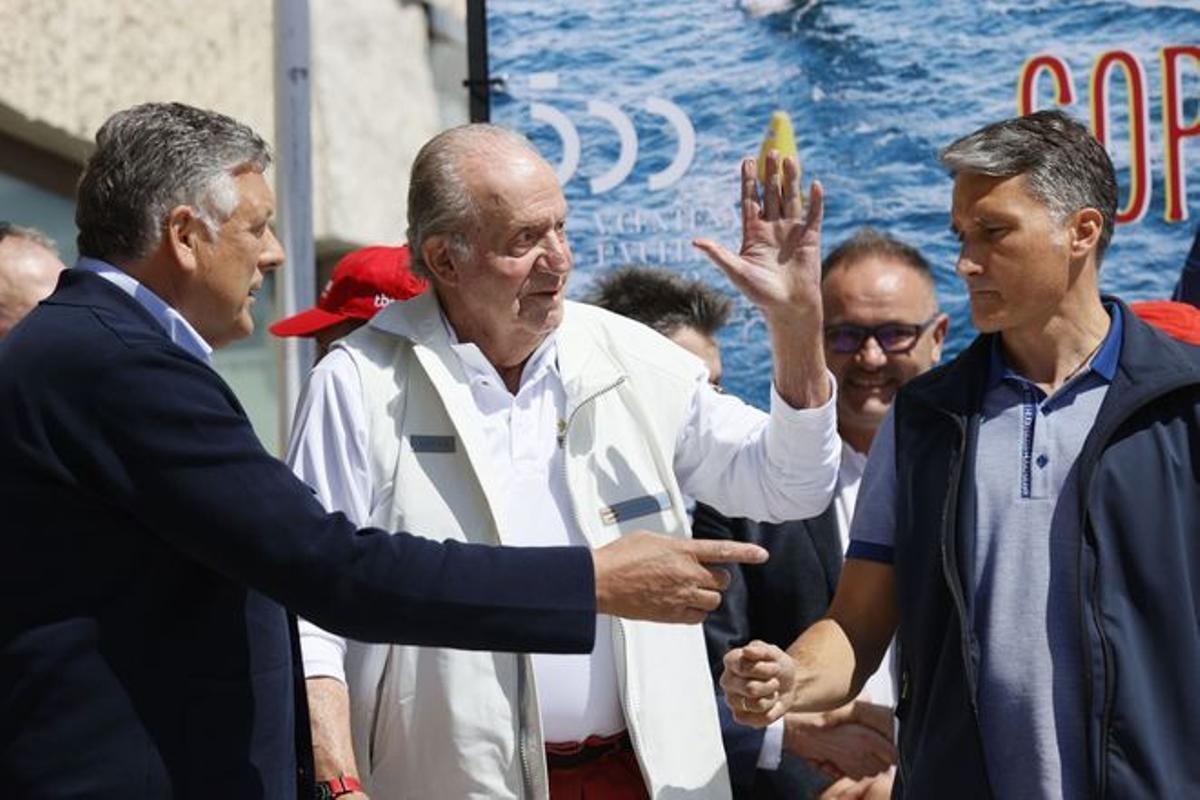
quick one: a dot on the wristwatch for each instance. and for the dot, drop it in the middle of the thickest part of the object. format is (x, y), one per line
(342, 784)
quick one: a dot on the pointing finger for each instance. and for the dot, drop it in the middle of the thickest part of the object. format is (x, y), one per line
(708, 551)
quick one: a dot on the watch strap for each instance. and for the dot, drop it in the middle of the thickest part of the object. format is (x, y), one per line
(336, 787)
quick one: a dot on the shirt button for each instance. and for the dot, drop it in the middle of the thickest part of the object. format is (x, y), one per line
(1043, 460)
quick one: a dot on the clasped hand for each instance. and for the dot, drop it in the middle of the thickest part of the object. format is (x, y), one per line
(855, 740)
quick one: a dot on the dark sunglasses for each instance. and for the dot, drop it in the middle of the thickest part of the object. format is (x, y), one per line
(892, 337)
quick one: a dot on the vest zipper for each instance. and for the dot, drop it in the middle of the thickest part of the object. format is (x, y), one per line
(950, 573)
(564, 426)
(1105, 649)
(524, 681)
(1089, 533)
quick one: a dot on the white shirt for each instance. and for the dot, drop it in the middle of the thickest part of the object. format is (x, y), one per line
(880, 687)
(768, 460)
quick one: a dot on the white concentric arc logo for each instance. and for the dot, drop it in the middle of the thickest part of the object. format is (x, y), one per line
(619, 170)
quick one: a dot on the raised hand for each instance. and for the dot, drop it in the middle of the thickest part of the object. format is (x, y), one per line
(758, 681)
(778, 267)
(649, 576)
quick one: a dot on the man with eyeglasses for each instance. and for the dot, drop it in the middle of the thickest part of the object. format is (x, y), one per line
(882, 328)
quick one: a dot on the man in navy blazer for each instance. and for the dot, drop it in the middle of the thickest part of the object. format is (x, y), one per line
(151, 546)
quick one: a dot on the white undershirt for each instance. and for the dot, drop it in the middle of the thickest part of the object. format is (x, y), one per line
(738, 459)
(578, 694)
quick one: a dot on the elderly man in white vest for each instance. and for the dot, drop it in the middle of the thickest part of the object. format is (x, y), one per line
(491, 409)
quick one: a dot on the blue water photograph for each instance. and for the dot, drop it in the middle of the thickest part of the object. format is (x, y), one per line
(646, 108)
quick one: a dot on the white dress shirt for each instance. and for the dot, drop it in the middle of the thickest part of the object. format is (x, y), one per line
(578, 694)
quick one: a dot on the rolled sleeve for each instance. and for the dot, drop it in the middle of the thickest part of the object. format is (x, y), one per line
(767, 467)
(328, 452)
(323, 653)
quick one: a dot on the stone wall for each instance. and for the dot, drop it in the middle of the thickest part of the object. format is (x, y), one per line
(65, 65)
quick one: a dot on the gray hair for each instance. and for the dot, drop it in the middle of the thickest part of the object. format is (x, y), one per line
(152, 158)
(1065, 167)
(439, 203)
(9, 229)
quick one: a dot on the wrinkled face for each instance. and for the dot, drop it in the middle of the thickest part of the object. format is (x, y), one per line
(1015, 256)
(28, 274)
(231, 264)
(512, 285)
(871, 292)
(703, 347)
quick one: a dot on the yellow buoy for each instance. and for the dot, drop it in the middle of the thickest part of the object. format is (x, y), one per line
(782, 139)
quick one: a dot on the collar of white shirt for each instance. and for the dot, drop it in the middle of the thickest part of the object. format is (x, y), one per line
(543, 359)
(176, 327)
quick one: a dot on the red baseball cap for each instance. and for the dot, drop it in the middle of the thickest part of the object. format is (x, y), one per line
(364, 282)
(1179, 320)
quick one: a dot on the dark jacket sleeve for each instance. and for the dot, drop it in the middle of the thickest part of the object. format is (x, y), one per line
(166, 440)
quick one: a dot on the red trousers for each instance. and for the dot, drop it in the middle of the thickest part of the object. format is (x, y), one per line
(599, 768)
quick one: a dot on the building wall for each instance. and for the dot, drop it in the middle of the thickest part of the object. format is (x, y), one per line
(66, 65)
(379, 90)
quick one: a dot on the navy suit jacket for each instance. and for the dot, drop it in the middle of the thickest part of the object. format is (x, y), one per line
(775, 602)
(149, 549)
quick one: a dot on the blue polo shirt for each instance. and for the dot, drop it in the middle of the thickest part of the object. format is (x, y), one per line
(1023, 587)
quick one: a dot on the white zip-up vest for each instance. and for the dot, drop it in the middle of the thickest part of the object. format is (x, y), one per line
(432, 723)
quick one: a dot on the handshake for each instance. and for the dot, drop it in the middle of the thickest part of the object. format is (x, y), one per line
(851, 744)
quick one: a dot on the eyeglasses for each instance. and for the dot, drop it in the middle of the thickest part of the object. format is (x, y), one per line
(893, 338)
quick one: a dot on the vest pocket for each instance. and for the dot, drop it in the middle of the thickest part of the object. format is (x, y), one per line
(634, 508)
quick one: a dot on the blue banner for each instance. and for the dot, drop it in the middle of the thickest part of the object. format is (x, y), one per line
(645, 109)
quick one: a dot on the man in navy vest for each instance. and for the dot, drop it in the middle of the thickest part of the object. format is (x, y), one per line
(150, 544)
(1032, 530)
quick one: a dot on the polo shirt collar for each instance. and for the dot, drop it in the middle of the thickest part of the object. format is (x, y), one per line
(1104, 363)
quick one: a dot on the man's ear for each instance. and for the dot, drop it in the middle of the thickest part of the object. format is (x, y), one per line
(1086, 226)
(183, 233)
(939, 336)
(438, 255)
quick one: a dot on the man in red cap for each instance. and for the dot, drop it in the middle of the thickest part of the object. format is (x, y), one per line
(364, 282)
